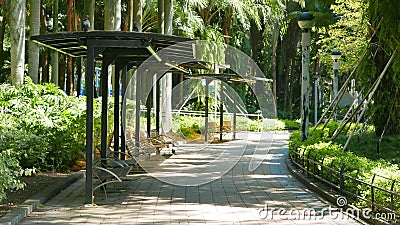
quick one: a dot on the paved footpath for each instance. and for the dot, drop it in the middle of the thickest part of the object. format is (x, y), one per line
(267, 195)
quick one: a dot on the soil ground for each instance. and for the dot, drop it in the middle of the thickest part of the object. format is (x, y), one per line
(34, 184)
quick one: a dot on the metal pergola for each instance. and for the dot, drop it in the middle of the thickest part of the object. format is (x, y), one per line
(125, 50)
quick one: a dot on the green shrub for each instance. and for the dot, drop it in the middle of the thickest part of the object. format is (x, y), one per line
(318, 147)
(292, 124)
(190, 126)
(45, 127)
(10, 172)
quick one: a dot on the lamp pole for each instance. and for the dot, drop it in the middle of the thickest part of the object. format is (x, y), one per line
(305, 23)
(316, 96)
(335, 57)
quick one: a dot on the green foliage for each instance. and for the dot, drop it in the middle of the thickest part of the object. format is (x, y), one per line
(291, 124)
(320, 149)
(42, 126)
(10, 171)
(190, 126)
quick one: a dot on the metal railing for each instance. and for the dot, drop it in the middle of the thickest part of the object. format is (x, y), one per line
(346, 181)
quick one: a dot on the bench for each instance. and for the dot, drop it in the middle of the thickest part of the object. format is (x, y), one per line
(213, 128)
(108, 171)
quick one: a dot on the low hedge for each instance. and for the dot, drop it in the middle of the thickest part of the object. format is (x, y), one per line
(318, 147)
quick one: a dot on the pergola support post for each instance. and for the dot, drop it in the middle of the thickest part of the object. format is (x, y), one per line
(148, 106)
(137, 118)
(221, 111)
(104, 110)
(234, 126)
(123, 113)
(206, 113)
(89, 86)
(157, 105)
(116, 112)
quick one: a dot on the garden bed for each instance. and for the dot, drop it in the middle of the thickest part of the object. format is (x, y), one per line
(34, 184)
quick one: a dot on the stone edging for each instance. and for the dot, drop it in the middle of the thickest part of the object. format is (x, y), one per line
(18, 214)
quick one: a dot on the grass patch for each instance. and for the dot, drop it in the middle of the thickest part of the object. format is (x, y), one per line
(366, 146)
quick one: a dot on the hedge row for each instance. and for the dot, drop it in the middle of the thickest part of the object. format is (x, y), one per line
(318, 147)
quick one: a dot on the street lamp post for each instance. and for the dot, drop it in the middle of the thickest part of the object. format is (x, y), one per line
(305, 23)
(335, 56)
(316, 96)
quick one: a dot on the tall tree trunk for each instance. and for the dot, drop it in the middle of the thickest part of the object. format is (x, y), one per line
(256, 41)
(275, 37)
(61, 71)
(70, 65)
(160, 16)
(2, 32)
(227, 26)
(33, 54)
(137, 15)
(89, 9)
(54, 54)
(112, 21)
(288, 55)
(128, 24)
(112, 14)
(167, 79)
(17, 36)
(45, 55)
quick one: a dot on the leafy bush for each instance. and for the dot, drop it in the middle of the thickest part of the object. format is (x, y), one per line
(190, 126)
(318, 147)
(42, 126)
(292, 124)
(10, 172)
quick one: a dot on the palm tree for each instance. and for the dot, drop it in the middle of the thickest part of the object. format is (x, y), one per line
(70, 67)
(167, 79)
(89, 9)
(54, 54)
(33, 55)
(17, 36)
(112, 14)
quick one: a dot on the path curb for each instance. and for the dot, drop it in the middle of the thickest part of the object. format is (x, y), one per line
(325, 194)
(18, 214)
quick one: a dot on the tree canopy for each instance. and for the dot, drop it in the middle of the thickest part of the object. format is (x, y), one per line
(266, 30)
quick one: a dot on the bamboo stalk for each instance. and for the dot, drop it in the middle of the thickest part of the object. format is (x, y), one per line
(374, 88)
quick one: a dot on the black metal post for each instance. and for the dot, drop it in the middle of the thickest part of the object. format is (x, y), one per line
(342, 179)
(138, 97)
(234, 125)
(123, 113)
(221, 112)
(157, 105)
(206, 112)
(149, 84)
(373, 193)
(116, 113)
(104, 111)
(89, 86)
